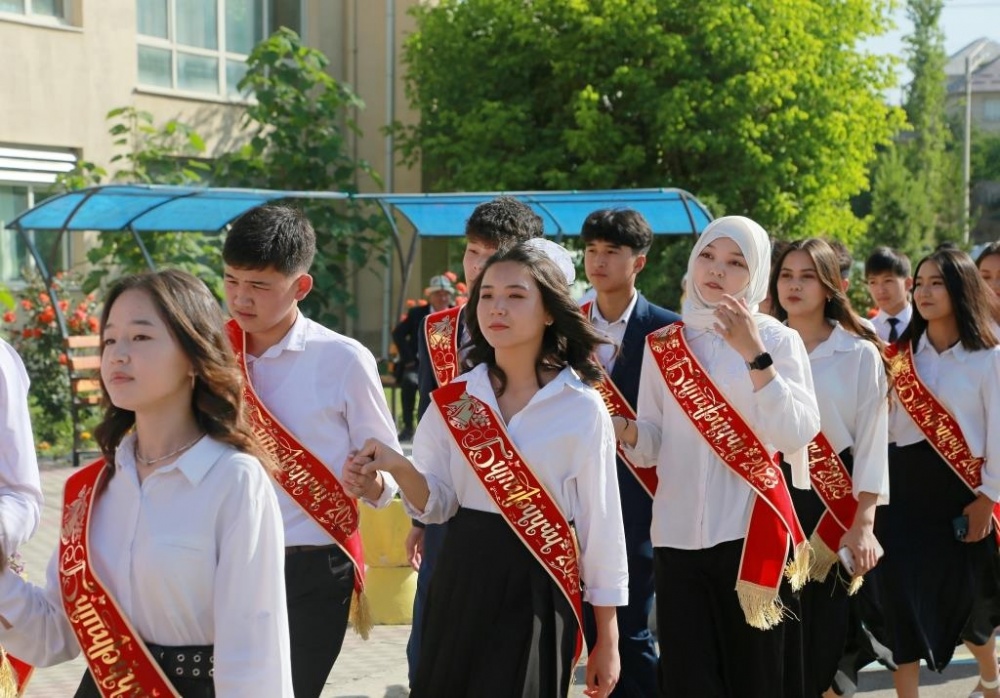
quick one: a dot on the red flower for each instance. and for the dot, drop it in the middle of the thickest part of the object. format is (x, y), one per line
(461, 287)
(27, 305)
(872, 312)
(37, 332)
(9, 316)
(451, 276)
(63, 359)
(410, 303)
(94, 324)
(47, 316)
(44, 298)
(422, 302)
(27, 333)
(64, 305)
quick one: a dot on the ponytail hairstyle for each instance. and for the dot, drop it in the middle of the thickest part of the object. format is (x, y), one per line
(568, 341)
(195, 320)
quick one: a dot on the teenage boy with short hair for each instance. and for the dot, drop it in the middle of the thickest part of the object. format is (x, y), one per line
(493, 225)
(887, 273)
(313, 397)
(616, 242)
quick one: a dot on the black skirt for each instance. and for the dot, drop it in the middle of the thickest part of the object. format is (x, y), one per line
(496, 624)
(932, 588)
(819, 621)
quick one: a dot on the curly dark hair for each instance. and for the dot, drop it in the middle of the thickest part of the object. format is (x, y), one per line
(568, 341)
(194, 318)
(502, 222)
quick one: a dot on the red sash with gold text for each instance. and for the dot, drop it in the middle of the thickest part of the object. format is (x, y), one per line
(524, 503)
(942, 430)
(773, 519)
(307, 481)
(833, 484)
(118, 659)
(441, 333)
(618, 405)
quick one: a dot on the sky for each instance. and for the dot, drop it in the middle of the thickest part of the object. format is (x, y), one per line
(963, 21)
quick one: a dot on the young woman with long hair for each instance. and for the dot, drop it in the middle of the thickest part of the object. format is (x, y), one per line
(181, 514)
(497, 623)
(939, 579)
(850, 377)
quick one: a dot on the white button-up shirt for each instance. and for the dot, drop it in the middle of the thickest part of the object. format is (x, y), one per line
(324, 388)
(193, 555)
(883, 327)
(20, 486)
(613, 331)
(700, 502)
(851, 389)
(567, 439)
(967, 383)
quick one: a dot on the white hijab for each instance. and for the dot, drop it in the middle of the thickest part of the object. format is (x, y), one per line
(755, 245)
(699, 314)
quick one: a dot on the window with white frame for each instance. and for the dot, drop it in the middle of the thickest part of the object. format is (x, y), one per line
(26, 178)
(991, 109)
(37, 8)
(201, 46)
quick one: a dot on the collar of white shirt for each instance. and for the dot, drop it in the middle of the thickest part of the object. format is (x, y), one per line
(478, 384)
(903, 316)
(598, 319)
(294, 339)
(958, 351)
(194, 464)
(839, 340)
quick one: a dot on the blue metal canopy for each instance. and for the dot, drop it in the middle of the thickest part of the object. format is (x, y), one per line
(151, 208)
(668, 211)
(159, 208)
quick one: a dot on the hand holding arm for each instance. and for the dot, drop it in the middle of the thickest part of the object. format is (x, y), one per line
(375, 456)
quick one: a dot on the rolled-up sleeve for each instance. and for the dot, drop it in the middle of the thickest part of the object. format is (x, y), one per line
(20, 485)
(991, 397)
(786, 414)
(432, 452)
(603, 565)
(871, 441)
(649, 410)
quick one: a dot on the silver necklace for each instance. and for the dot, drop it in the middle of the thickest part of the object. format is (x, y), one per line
(152, 461)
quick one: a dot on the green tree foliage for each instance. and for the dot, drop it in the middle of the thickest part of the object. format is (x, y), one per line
(902, 215)
(148, 153)
(301, 126)
(766, 107)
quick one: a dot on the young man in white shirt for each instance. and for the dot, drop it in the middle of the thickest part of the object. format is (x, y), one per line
(617, 241)
(887, 273)
(325, 390)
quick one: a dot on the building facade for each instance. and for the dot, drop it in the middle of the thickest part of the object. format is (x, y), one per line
(67, 63)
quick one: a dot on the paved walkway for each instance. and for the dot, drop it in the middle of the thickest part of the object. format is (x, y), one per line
(377, 668)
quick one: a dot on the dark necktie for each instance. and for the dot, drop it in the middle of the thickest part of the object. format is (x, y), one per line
(893, 333)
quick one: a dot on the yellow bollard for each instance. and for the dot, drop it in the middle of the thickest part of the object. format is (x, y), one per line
(390, 582)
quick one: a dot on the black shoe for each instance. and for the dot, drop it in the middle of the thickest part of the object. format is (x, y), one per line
(406, 435)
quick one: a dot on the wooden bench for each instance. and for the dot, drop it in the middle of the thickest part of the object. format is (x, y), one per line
(83, 359)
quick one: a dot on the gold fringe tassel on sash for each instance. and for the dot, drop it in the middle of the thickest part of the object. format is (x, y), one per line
(761, 606)
(797, 570)
(360, 616)
(824, 560)
(8, 679)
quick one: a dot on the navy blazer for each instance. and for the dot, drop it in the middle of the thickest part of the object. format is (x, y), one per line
(637, 510)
